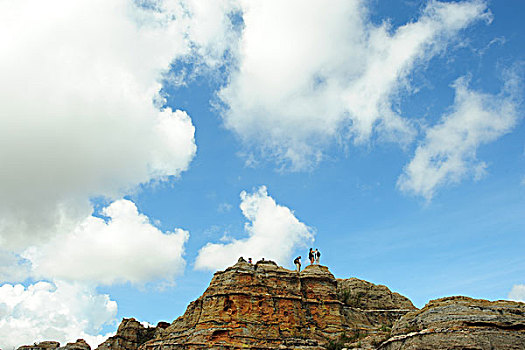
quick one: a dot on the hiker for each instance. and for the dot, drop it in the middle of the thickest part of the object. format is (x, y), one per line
(297, 263)
(317, 255)
(249, 260)
(311, 256)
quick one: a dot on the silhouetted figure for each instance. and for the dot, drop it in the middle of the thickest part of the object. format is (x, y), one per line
(297, 263)
(311, 256)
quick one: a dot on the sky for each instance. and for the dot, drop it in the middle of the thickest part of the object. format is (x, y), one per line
(146, 144)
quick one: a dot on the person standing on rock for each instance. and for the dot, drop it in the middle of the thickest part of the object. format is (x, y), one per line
(311, 256)
(317, 256)
(297, 263)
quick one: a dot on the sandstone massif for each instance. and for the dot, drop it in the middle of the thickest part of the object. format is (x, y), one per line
(265, 306)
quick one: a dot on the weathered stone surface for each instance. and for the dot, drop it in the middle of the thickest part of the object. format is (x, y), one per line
(368, 296)
(370, 306)
(80, 344)
(130, 335)
(265, 306)
(461, 323)
(45, 345)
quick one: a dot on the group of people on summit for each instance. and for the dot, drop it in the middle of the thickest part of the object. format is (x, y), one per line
(313, 256)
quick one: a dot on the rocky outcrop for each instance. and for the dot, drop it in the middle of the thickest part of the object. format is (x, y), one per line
(130, 335)
(80, 344)
(461, 323)
(370, 310)
(265, 306)
(45, 345)
(371, 305)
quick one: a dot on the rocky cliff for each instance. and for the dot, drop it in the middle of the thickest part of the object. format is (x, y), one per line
(265, 306)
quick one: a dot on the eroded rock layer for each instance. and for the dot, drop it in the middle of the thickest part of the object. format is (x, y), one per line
(461, 323)
(45, 345)
(80, 344)
(264, 306)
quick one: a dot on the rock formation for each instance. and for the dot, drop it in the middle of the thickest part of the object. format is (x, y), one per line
(264, 306)
(80, 344)
(45, 345)
(130, 335)
(461, 323)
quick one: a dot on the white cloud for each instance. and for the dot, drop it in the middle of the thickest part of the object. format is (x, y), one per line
(309, 73)
(273, 233)
(77, 110)
(517, 293)
(53, 311)
(126, 248)
(96, 252)
(81, 117)
(448, 152)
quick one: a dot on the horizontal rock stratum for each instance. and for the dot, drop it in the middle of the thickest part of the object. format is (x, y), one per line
(461, 323)
(265, 306)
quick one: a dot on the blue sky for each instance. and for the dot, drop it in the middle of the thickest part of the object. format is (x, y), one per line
(142, 154)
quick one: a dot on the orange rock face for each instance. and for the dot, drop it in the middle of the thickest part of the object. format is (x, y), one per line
(264, 306)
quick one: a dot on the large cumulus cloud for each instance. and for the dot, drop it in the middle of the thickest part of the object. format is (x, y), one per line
(80, 114)
(125, 248)
(311, 75)
(81, 117)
